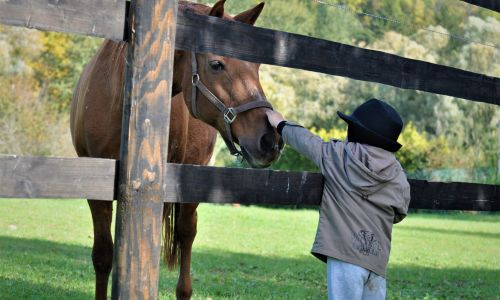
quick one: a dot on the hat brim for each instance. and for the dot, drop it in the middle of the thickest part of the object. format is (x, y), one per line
(382, 141)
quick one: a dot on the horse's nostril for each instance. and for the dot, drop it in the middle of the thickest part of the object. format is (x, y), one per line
(267, 143)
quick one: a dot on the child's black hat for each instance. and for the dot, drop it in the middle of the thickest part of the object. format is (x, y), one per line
(375, 123)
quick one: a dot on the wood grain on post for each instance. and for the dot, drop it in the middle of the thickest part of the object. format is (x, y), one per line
(144, 149)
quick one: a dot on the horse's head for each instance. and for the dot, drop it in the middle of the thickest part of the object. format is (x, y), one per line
(226, 93)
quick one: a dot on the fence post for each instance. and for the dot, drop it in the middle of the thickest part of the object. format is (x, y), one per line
(143, 157)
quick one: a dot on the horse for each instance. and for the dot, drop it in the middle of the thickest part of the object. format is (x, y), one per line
(210, 93)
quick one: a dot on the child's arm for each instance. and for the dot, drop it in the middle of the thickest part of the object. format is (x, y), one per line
(402, 209)
(301, 139)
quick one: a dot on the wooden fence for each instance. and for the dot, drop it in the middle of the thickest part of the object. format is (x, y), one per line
(140, 199)
(77, 178)
(488, 4)
(214, 35)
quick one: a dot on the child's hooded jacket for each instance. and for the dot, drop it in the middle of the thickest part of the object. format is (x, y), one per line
(365, 192)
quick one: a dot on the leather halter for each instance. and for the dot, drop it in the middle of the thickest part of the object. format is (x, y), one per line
(229, 113)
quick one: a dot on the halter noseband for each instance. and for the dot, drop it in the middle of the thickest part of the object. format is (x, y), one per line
(229, 113)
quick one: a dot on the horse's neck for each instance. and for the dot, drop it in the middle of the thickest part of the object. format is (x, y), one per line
(179, 69)
(191, 141)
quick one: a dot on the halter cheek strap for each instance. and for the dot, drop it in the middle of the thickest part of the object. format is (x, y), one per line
(229, 113)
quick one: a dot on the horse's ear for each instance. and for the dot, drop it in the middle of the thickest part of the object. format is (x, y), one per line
(251, 15)
(218, 9)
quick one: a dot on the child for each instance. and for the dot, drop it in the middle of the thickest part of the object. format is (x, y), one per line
(365, 192)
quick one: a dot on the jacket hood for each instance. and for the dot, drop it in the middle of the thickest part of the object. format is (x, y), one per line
(369, 168)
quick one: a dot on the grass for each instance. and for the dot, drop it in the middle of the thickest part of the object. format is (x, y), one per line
(249, 253)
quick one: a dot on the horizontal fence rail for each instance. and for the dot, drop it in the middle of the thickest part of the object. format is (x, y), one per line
(191, 184)
(454, 196)
(101, 18)
(94, 178)
(214, 35)
(44, 177)
(488, 4)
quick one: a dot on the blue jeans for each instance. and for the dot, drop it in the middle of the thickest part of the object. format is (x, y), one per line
(351, 282)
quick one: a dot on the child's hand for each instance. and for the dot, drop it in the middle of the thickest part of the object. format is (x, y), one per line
(274, 117)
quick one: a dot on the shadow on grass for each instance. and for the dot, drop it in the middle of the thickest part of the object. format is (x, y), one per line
(15, 289)
(417, 282)
(40, 269)
(229, 275)
(481, 217)
(451, 231)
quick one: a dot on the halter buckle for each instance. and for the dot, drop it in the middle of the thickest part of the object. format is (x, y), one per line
(195, 79)
(230, 115)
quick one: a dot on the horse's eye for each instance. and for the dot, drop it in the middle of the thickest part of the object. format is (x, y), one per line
(216, 65)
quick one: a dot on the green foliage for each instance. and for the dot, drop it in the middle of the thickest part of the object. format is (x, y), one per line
(29, 127)
(27, 124)
(421, 151)
(304, 17)
(415, 151)
(420, 155)
(38, 71)
(291, 160)
(311, 99)
(66, 55)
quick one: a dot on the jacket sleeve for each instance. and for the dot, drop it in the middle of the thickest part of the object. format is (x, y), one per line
(401, 211)
(305, 142)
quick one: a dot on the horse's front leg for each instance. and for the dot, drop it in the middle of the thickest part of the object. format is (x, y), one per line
(102, 251)
(186, 230)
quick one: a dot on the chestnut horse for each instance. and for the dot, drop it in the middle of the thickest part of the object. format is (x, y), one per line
(199, 81)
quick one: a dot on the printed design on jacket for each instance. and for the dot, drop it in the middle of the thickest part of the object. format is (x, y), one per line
(366, 243)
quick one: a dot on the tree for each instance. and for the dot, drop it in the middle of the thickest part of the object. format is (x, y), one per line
(27, 124)
(59, 65)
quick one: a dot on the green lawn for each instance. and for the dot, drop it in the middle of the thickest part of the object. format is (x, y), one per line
(249, 253)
